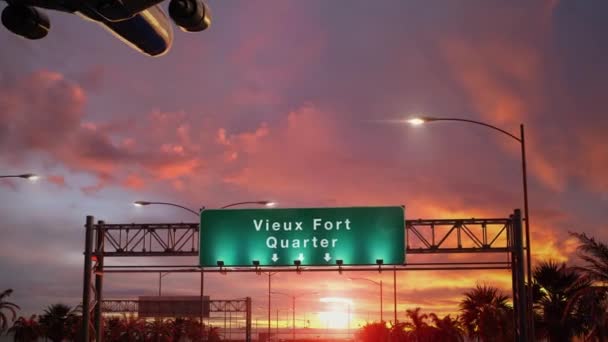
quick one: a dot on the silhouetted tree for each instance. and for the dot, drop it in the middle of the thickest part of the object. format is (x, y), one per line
(26, 329)
(4, 307)
(56, 322)
(595, 298)
(559, 286)
(134, 330)
(486, 314)
(448, 329)
(158, 331)
(398, 332)
(418, 329)
(374, 332)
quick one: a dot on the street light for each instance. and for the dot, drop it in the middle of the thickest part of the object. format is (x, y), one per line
(28, 176)
(377, 283)
(269, 204)
(143, 203)
(293, 308)
(265, 203)
(416, 121)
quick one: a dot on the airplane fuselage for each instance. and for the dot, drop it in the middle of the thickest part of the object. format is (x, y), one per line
(142, 24)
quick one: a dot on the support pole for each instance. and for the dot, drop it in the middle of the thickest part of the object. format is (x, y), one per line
(395, 291)
(528, 246)
(293, 317)
(381, 309)
(269, 275)
(248, 320)
(86, 284)
(519, 299)
(99, 248)
(513, 255)
(202, 303)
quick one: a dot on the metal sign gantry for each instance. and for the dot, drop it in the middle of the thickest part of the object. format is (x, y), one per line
(423, 236)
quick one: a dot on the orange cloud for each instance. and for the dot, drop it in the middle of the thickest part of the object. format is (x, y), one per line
(56, 179)
(134, 182)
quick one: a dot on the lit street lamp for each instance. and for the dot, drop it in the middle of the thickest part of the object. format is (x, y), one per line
(28, 176)
(417, 121)
(269, 204)
(265, 203)
(377, 283)
(143, 203)
(293, 308)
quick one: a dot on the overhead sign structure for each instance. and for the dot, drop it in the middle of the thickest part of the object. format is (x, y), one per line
(313, 236)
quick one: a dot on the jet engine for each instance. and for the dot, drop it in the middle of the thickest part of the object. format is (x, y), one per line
(25, 21)
(190, 15)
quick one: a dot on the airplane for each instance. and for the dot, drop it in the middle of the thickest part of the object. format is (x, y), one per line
(142, 24)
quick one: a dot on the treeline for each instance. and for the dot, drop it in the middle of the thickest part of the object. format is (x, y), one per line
(568, 302)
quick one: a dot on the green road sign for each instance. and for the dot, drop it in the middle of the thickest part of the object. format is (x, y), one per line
(315, 236)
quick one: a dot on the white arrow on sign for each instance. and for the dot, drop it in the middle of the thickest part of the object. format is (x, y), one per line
(274, 257)
(327, 257)
(301, 257)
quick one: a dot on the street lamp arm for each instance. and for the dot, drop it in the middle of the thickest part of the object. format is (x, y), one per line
(429, 119)
(246, 202)
(373, 281)
(167, 203)
(30, 176)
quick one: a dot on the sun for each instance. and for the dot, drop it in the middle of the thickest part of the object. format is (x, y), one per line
(338, 313)
(333, 319)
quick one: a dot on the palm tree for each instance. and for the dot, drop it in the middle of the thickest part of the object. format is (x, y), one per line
(594, 298)
(56, 321)
(26, 329)
(418, 329)
(558, 287)
(6, 306)
(114, 329)
(213, 335)
(595, 254)
(158, 331)
(448, 329)
(398, 332)
(177, 328)
(486, 315)
(192, 329)
(374, 332)
(133, 330)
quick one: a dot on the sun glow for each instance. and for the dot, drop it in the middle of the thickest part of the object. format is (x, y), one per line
(333, 319)
(336, 315)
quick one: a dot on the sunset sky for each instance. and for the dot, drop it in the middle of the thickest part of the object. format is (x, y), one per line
(281, 100)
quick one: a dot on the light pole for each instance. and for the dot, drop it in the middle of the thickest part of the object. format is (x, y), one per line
(522, 142)
(160, 281)
(380, 285)
(265, 203)
(293, 308)
(28, 176)
(270, 274)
